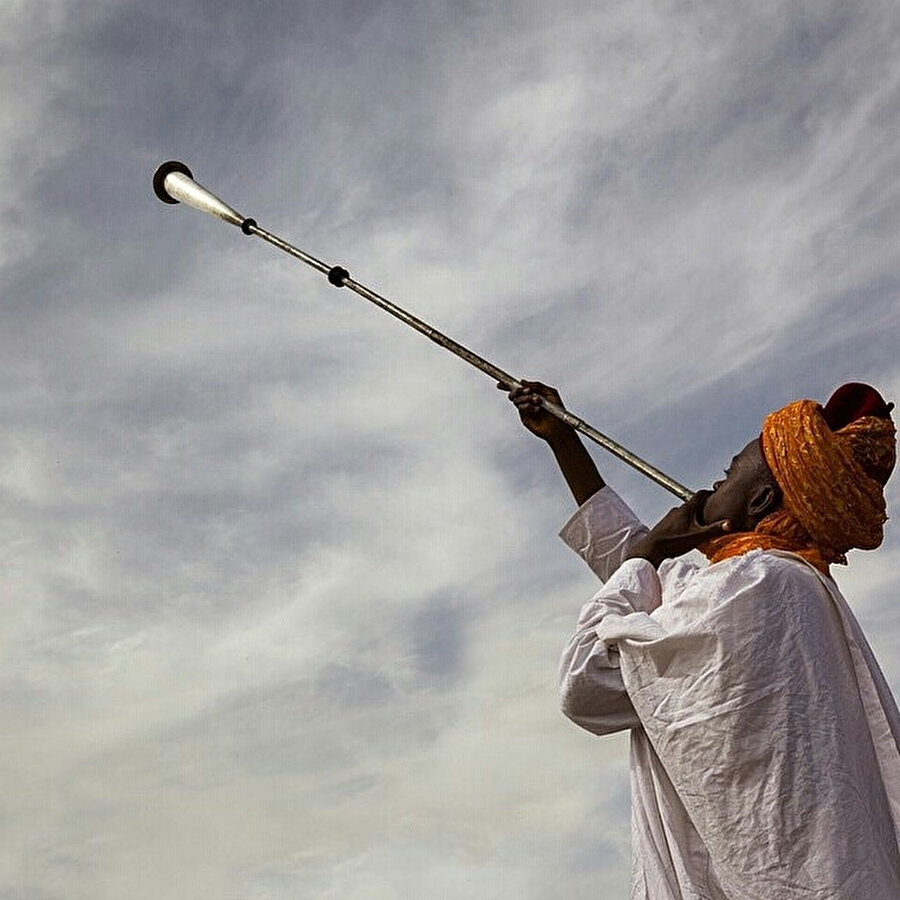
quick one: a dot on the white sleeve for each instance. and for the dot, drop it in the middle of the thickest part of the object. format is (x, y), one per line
(592, 692)
(602, 532)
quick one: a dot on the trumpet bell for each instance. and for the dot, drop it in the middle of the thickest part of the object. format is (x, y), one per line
(174, 183)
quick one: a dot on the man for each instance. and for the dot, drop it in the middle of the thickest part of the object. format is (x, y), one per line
(765, 743)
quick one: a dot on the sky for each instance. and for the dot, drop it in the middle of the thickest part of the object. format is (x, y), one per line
(283, 597)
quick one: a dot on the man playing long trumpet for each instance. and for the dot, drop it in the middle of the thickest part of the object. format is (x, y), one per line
(765, 743)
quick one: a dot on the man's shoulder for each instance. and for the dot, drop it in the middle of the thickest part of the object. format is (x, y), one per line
(765, 567)
(775, 583)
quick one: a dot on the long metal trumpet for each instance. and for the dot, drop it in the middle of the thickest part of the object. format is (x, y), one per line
(174, 183)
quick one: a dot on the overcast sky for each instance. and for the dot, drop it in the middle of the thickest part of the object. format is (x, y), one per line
(282, 597)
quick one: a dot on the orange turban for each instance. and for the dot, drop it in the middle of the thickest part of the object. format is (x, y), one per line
(831, 464)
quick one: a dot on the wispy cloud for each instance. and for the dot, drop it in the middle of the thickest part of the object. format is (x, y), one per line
(282, 598)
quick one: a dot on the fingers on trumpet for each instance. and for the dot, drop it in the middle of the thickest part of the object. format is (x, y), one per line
(527, 400)
(529, 394)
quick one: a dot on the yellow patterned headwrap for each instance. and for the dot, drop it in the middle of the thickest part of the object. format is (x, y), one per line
(831, 480)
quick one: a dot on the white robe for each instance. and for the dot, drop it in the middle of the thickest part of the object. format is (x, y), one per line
(765, 743)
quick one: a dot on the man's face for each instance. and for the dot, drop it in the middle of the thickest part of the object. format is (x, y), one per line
(731, 495)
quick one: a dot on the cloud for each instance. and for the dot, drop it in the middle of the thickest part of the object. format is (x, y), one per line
(282, 595)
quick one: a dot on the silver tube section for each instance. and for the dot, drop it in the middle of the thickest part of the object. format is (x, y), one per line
(252, 228)
(173, 183)
(504, 378)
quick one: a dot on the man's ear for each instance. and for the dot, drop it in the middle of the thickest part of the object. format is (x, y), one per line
(763, 500)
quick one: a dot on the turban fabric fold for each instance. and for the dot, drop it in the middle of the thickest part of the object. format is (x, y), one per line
(831, 464)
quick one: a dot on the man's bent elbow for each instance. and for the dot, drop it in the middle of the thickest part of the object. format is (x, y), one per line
(598, 713)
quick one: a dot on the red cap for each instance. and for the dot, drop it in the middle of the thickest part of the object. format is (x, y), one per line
(853, 401)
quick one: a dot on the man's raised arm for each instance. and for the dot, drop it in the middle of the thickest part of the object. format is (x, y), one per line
(574, 461)
(604, 529)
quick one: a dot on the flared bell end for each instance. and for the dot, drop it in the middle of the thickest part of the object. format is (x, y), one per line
(159, 178)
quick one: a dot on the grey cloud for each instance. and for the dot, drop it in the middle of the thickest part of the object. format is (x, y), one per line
(349, 686)
(438, 637)
(265, 554)
(291, 729)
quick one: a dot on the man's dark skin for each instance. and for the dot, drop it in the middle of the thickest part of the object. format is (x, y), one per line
(738, 502)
